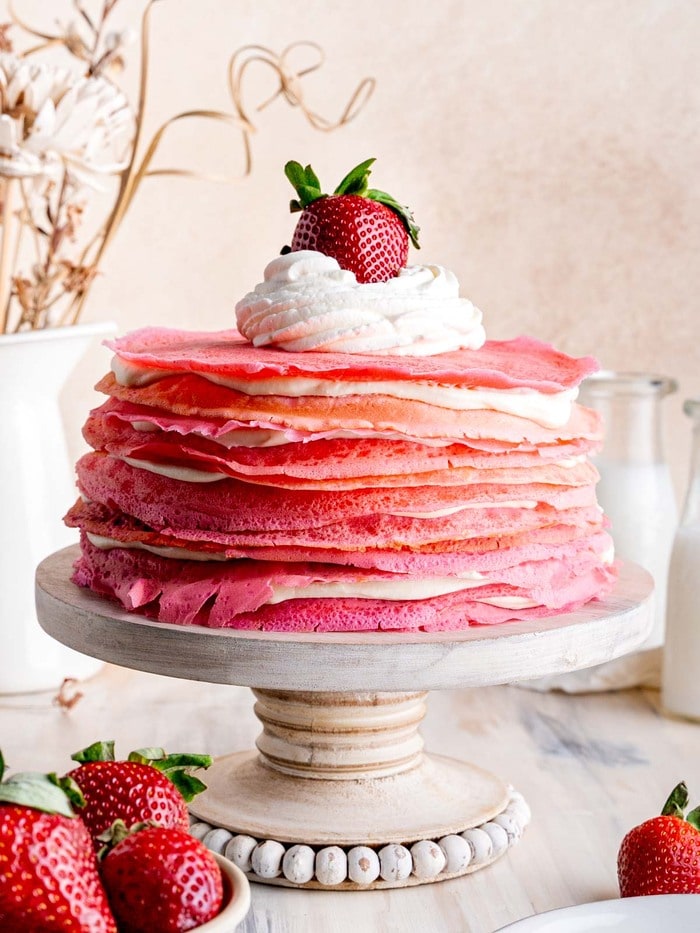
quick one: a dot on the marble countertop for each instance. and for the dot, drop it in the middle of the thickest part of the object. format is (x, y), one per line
(590, 767)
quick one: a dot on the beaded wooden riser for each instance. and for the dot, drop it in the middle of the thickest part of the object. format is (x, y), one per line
(340, 792)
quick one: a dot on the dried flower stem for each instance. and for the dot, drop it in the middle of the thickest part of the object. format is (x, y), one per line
(9, 185)
(62, 279)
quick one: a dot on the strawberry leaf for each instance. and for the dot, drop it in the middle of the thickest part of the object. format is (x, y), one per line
(115, 834)
(307, 195)
(2, 766)
(694, 818)
(175, 767)
(98, 751)
(38, 791)
(357, 179)
(312, 178)
(147, 756)
(157, 758)
(677, 801)
(306, 184)
(70, 788)
(188, 785)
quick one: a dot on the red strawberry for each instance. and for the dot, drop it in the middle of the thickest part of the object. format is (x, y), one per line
(48, 870)
(150, 785)
(662, 855)
(160, 879)
(365, 230)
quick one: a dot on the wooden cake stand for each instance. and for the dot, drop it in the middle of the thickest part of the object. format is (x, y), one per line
(340, 793)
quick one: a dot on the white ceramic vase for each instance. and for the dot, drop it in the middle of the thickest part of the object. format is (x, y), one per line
(37, 486)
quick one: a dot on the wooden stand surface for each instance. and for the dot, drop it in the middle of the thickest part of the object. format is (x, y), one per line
(340, 763)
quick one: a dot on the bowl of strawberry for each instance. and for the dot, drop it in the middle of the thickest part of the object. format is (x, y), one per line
(107, 849)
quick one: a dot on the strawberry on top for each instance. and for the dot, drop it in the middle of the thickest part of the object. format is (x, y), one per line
(365, 230)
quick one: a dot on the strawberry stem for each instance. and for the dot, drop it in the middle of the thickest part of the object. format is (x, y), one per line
(176, 767)
(45, 792)
(306, 184)
(357, 179)
(677, 801)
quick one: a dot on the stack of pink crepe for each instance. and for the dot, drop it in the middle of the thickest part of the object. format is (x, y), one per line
(251, 488)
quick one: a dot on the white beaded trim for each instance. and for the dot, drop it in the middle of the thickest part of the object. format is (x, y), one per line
(330, 866)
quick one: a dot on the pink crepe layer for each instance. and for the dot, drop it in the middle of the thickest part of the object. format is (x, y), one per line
(107, 416)
(520, 363)
(236, 513)
(194, 397)
(235, 596)
(321, 460)
(559, 540)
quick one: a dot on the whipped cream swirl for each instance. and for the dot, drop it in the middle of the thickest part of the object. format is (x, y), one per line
(307, 302)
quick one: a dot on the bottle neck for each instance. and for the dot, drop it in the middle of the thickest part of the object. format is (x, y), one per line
(630, 404)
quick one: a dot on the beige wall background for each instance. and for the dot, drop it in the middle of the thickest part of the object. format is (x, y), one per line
(550, 150)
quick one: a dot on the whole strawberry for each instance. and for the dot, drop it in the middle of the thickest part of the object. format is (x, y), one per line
(160, 879)
(366, 231)
(48, 870)
(149, 785)
(662, 855)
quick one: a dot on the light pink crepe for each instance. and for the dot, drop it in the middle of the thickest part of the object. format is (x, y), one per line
(321, 460)
(192, 396)
(520, 363)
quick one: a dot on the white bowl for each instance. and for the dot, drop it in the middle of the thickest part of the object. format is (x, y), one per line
(236, 899)
(676, 913)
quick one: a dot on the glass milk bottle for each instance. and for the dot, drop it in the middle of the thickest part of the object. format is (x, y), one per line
(636, 493)
(681, 684)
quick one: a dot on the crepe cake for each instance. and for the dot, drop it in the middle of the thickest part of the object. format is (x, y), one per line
(354, 456)
(212, 498)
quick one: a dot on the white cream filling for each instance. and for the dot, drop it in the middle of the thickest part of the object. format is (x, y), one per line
(551, 410)
(391, 590)
(192, 475)
(186, 474)
(106, 544)
(441, 513)
(510, 602)
(241, 437)
(147, 426)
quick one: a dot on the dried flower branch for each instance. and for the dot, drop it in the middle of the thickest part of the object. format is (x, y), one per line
(63, 134)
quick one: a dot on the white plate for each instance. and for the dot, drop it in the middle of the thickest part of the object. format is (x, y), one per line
(672, 913)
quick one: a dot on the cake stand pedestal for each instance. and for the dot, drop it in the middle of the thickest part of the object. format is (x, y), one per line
(340, 793)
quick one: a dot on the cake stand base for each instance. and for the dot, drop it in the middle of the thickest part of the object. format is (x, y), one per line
(340, 793)
(355, 801)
